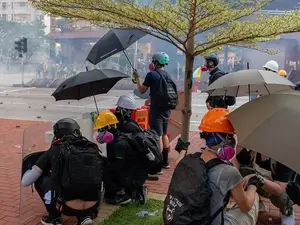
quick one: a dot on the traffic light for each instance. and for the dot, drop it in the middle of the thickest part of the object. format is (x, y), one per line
(18, 46)
(24, 45)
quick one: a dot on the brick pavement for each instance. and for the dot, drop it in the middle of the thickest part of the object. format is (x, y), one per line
(11, 133)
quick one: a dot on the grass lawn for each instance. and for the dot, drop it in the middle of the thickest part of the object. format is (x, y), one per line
(126, 215)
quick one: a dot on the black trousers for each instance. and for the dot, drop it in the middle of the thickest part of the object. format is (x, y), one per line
(130, 180)
(57, 206)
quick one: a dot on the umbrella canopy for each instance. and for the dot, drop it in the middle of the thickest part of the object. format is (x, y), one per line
(270, 125)
(294, 76)
(89, 83)
(112, 42)
(249, 82)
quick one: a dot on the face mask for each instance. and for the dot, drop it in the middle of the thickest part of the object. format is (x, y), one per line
(226, 153)
(204, 68)
(105, 137)
(151, 67)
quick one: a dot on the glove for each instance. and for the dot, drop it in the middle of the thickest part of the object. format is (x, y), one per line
(181, 145)
(257, 181)
(293, 191)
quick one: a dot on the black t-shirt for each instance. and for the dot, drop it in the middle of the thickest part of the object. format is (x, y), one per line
(120, 149)
(45, 162)
(121, 158)
(279, 171)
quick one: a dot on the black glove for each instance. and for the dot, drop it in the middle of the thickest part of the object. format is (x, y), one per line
(181, 145)
(293, 191)
(257, 181)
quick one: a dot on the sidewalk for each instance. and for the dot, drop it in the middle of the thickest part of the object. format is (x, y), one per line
(11, 132)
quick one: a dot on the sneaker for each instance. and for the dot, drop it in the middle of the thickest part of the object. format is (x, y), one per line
(49, 220)
(160, 173)
(119, 200)
(142, 195)
(85, 221)
(166, 166)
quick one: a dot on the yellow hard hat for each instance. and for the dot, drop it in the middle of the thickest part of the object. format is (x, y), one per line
(105, 118)
(282, 73)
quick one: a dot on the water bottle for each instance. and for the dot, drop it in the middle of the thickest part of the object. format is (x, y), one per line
(150, 155)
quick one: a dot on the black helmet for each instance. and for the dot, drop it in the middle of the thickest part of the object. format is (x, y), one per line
(66, 126)
(213, 58)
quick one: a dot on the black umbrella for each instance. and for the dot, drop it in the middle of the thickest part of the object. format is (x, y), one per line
(87, 84)
(116, 40)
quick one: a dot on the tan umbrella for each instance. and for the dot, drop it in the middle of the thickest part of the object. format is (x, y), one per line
(270, 125)
(249, 82)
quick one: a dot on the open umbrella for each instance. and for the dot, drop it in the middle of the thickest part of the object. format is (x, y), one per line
(270, 125)
(114, 41)
(89, 83)
(249, 82)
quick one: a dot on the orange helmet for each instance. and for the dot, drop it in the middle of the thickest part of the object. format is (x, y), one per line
(215, 121)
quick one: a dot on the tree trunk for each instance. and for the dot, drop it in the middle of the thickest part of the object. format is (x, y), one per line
(188, 83)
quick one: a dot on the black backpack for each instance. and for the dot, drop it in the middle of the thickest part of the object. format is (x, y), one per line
(144, 143)
(166, 96)
(79, 166)
(188, 198)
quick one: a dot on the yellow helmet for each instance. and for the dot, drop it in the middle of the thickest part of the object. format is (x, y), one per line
(282, 73)
(105, 118)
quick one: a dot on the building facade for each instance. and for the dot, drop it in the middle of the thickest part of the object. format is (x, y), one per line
(19, 11)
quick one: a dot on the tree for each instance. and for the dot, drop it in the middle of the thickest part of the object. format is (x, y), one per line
(34, 32)
(217, 22)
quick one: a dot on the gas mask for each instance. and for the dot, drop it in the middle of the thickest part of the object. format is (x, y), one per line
(104, 136)
(226, 151)
(207, 66)
(123, 114)
(151, 67)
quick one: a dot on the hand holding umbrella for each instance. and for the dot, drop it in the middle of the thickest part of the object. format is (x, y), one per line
(135, 76)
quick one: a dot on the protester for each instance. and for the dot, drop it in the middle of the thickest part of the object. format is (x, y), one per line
(125, 107)
(124, 176)
(276, 176)
(271, 66)
(162, 99)
(78, 193)
(223, 178)
(211, 65)
(282, 73)
(293, 191)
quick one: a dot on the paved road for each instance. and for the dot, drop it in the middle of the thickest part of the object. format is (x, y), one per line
(28, 104)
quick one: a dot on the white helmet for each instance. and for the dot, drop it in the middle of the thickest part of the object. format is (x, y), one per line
(272, 65)
(126, 102)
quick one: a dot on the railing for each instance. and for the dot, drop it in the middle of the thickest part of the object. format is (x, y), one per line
(275, 12)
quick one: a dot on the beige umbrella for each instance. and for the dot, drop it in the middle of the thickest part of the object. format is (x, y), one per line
(270, 125)
(249, 82)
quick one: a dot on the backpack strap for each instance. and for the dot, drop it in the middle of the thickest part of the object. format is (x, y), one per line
(210, 164)
(214, 162)
(221, 209)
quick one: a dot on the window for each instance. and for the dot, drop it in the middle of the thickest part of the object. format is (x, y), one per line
(4, 5)
(4, 16)
(41, 18)
(23, 4)
(22, 17)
